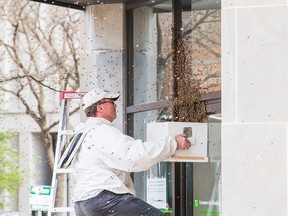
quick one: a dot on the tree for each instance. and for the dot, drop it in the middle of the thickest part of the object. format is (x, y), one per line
(10, 177)
(39, 43)
(39, 56)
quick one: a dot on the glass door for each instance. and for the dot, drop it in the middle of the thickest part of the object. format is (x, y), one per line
(177, 188)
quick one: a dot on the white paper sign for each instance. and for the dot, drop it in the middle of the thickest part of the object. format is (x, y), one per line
(156, 192)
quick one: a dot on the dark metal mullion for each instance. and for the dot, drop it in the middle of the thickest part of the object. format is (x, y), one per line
(132, 4)
(125, 65)
(180, 189)
(63, 4)
(148, 106)
(212, 102)
(180, 168)
(189, 190)
(130, 70)
(130, 60)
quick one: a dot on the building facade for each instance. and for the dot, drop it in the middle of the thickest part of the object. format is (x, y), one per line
(125, 48)
(254, 124)
(254, 120)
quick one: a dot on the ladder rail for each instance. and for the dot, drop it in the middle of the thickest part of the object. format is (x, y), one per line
(61, 141)
(59, 144)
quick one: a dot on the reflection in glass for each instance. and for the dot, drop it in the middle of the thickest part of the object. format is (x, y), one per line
(152, 65)
(206, 177)
(152, 36)
(202, 35)
(158, 175)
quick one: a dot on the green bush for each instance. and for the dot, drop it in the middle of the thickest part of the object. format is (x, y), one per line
(10, 178)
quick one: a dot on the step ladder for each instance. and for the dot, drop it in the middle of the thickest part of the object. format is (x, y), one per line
(61, 159)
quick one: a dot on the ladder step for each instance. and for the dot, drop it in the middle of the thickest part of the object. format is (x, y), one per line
(72, 95)
(62, 209)
(67, 170)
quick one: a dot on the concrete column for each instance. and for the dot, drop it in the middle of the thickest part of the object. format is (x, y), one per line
(101, 55)
(145, 55)
(145, 64)
(254, 107)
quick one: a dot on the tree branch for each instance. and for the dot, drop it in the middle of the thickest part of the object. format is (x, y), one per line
(57, 122)
(30, 76)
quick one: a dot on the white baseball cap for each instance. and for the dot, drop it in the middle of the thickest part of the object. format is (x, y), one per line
(96, 95)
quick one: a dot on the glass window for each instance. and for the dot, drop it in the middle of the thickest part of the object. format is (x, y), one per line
(150, 82)
(154, 185)
(202, 36)
(152, 32)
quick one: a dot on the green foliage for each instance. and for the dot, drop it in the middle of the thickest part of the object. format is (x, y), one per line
(10, 177)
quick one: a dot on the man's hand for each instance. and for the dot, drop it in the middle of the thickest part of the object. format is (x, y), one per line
(182, 142)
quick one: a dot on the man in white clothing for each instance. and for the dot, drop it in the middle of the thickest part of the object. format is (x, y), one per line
(107, 157)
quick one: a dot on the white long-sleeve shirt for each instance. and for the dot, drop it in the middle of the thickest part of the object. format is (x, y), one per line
(107, 156)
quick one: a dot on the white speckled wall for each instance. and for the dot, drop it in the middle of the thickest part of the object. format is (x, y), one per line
(101, 54)
(254, 107)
